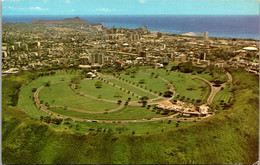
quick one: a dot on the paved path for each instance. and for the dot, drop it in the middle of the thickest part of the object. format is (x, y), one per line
(215, 90)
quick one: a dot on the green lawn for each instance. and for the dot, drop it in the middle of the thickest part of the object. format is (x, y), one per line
(127, 113)
(206, 91)
(149, 82)
(205, 76)
(182, 83)
(222, 96)
(107, 91)
(26, 102)
(131, 88)
(62, 94)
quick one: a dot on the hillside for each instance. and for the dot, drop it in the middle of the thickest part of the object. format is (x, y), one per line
(67, 20)
(230, 137)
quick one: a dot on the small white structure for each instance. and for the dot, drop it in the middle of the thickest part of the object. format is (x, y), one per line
(91, 75)
(250, 48)
(85, 66)
(158, 65)
(203, 109)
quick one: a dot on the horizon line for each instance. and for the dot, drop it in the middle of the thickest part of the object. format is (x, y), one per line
(132, 15)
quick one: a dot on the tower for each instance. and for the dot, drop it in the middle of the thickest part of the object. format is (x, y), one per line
(205, 35)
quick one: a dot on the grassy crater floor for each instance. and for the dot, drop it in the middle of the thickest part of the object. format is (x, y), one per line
(62, 94)
(106, 91)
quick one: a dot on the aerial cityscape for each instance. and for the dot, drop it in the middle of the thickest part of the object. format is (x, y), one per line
(78, 87)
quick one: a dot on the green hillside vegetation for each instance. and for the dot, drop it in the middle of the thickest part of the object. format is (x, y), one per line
(230, 137)
(223, 99)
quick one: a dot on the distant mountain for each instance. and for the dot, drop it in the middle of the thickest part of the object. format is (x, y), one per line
(67, 20)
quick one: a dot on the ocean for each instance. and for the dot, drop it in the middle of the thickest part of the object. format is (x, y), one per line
(223, 26)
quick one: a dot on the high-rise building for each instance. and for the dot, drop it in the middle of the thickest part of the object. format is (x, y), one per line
(100, 59)
(17, 45)
(183, 58)
(165, 60)
(159, 35)
(143, 54)
(205, 35)
(97, 58)
(204, 58)
(25, 47)
(4, 54)
(38, 43)
(84, 60)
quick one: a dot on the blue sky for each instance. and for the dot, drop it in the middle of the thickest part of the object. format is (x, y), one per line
(130, 7)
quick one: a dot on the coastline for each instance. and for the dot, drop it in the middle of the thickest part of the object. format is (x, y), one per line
(166, 24)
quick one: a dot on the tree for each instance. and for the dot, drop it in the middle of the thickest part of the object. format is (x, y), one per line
(143, 100)
(47, 119)
(99, 129)
(168, 94)
(110, 130)
(48, 83)
(99, 96)
(98, 84)
(152, 74)
(34, 90)
(142, 81)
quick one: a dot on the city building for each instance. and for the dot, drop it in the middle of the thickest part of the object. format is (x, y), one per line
(118, 64)
(24, 47)
(84, 60)
(205, 35)
(183, 58)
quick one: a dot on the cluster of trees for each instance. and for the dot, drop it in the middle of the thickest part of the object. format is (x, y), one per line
(48, 119)
(98, 84)
(75, 80)
(187, 67)
(168, 94)
(218, 75)
(222, 53)
(162, 111)
(144, 100)
(184, 99)
(14, 93)
(47, 74)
